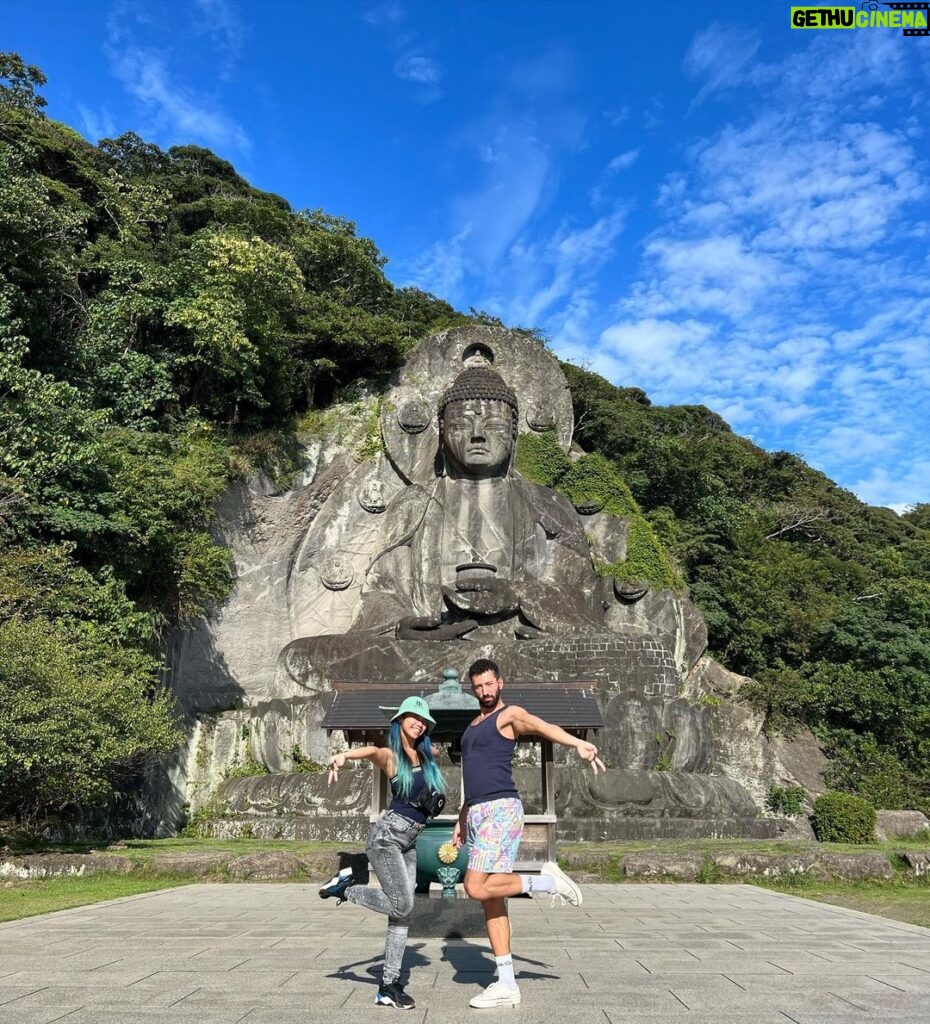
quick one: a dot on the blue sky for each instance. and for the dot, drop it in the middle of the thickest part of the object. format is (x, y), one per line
(691, 198)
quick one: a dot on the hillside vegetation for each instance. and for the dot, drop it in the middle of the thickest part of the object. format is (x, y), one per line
(163, 328)
(825, 601)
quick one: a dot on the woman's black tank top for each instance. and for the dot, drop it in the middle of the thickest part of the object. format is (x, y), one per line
(407, 805)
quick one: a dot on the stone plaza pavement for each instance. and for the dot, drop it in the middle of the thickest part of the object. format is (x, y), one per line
(277, 954)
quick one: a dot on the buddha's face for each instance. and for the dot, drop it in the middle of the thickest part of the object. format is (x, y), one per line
(477, 437)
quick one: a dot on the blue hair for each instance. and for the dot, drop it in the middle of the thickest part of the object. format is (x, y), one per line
(403, 767)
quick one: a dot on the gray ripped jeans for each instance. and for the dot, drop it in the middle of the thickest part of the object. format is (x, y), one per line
(392, 855)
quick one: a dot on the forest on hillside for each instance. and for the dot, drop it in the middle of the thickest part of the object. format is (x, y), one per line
(166, 328)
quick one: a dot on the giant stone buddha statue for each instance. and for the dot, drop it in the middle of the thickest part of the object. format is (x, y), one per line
(460, 549)
(479, 551)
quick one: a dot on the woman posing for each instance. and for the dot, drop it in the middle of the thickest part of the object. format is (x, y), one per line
(408, 762)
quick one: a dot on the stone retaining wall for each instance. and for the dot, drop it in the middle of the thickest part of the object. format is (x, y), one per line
(686, 866)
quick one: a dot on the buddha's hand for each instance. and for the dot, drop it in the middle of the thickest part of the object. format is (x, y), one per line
(486, 595)
(427, 627)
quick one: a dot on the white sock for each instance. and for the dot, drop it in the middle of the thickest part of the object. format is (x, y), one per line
(537, 883)
(505, 971)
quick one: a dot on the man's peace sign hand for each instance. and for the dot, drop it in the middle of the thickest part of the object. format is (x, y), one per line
(588, 752)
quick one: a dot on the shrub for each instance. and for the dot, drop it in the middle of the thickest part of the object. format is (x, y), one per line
(786, 800)
(860, 765)
(843, 818)
(78, 718)
(246, 768)
(302, 763)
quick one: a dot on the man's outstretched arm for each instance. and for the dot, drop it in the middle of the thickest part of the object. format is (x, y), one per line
(525, 724)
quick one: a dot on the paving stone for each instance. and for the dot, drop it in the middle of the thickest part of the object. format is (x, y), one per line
(97, 995)
(103, 977)
(827, 982)
(733, 966)
(104, 1015)
(253, 981)
(880, 966)
(205, 1001)
(619, 1015)
(912, 983)
(348, 1016)
(855, 1017)
(748, 1002)
(195, 965)
(36, 1014)
(10, 993)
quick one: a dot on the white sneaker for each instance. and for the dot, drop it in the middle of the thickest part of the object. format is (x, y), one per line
(495, 994)
(564, 886)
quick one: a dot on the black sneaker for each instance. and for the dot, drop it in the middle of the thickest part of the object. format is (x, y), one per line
(337, 886)
(394, 995)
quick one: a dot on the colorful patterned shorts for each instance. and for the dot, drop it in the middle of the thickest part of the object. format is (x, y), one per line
(494, 831)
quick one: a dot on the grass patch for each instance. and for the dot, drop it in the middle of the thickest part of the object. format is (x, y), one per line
(901, 899)
(46, 895)
(706, 847)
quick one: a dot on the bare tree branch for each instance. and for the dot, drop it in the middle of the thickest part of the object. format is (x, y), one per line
(792, 516)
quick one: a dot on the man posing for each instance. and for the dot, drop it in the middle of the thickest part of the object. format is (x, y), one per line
(491, 819)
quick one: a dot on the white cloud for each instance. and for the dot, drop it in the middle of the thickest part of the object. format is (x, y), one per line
(616, 117)
(624, 160)
(221, 23)
(716, 274)
(177, 110)
(722, 56)
(654, 342)
(97, 124)
(897, 490)
(411, 64)
(510, 190)
(442, 268)
(414, 67)
(145, 71)
(387, 13)
(540, 275)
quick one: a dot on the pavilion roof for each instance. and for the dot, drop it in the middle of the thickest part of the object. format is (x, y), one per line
(366, 707)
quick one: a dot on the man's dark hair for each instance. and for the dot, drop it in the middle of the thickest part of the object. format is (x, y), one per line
(482, 665)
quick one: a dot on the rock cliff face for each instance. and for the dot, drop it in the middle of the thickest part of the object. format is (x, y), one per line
(364, 570)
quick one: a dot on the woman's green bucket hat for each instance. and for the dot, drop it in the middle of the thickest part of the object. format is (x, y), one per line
(415, 706)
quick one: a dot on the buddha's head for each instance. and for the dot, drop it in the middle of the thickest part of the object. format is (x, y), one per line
(478, 424)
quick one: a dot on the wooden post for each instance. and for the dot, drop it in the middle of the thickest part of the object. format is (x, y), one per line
(380, 792)
(548, 788)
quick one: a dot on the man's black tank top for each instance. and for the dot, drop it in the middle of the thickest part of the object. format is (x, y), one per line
(486, 756)
(407, 805)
